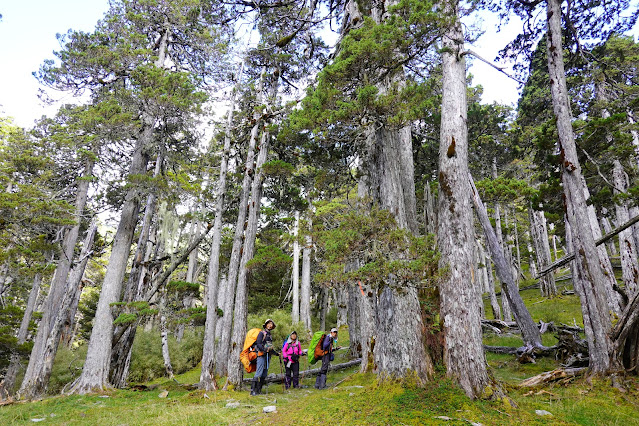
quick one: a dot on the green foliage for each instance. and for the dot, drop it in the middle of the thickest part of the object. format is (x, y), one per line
(345, 233)
(267, 270)
(146, 359)
(66, 368)
(183, 288)
(10, 319)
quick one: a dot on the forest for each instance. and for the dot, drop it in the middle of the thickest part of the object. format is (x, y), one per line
(326, 163)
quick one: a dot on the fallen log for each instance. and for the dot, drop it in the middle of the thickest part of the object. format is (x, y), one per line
(279, 378)
(600, 241)
(553, 376)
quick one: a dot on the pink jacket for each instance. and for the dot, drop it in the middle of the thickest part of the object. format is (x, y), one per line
(290, 349)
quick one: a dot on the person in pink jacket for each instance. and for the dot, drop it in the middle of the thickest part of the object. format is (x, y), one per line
(291, 354)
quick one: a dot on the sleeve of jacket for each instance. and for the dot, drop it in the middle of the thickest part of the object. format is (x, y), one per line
(328, 341)
(259, 343)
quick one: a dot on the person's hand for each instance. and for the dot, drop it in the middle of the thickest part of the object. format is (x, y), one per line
(295, 357)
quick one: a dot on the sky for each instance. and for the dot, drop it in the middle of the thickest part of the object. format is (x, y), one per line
(28, 32)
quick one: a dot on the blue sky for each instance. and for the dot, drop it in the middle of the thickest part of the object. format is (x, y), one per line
(28, 32)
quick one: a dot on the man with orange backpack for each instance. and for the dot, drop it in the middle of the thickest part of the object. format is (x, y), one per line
(327, 357)
(264, 346)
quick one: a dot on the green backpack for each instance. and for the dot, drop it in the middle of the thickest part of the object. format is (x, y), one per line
(318, 338)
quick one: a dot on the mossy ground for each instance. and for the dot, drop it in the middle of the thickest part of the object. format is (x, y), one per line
(354, 398)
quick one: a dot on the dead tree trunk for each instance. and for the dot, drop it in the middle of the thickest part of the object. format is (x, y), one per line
(164, 332)
(539, 234)
(627, 248)
(463, 348)
(612, 248)
(529, 331)
(295, 312)
(489, 281)
(430, 217)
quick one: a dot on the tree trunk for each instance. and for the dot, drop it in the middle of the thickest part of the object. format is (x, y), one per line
(166, 356)
(36, 377)
(133, 291)
(305, 291)
(539, 234)
(430, 217)
(295, 313)
(354, 322)
(532, 265)
(529, 330)
(506, 313)
(75, 283)
(612, 248)
(488, 281)
(593, 294)
(323, 299)
(95, 372)
(627, 248)
(235, 369)
(463, 348)
(8, 383)
(207, 376)
(340, 297)
(222, 357)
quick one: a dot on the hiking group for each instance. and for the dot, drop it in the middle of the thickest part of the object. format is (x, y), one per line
(258, 349)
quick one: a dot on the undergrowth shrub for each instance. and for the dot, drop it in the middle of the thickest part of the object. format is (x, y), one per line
(147, 362)
(66, 367)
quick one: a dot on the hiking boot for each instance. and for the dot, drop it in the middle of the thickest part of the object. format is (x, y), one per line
(322, 381)
(259, 386)
(253, 388)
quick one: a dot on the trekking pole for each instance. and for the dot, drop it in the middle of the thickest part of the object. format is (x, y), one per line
(283, 377)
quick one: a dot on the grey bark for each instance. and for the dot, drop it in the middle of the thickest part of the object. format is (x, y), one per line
(323, 300)
(305, 290)
(207, 376)
(45, 344)
(489, 282)
(235, 369)
(222, 358)
(430, 217)
(463, 348)
(506, 312)
(133, 291)
(295, 312)
(353, 319)
(612, 248)
(387, 179)
(340, 298)
(589, 274)
(627, 248)
(539, 234)
(95, 372)
(166, 356)
(529, 330)
(75, 283)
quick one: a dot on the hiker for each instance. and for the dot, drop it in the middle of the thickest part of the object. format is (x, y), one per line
(327, 347)
(264, 346)
(291, 353)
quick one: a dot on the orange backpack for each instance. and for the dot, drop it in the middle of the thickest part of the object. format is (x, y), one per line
(248, 356)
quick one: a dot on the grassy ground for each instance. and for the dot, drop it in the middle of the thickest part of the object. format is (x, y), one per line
(354, 398)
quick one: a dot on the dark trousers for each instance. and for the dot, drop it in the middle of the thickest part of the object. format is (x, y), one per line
(320, 382)
(294, 371)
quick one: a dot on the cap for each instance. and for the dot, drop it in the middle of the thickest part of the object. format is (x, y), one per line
(334, 330)
(269, 320)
